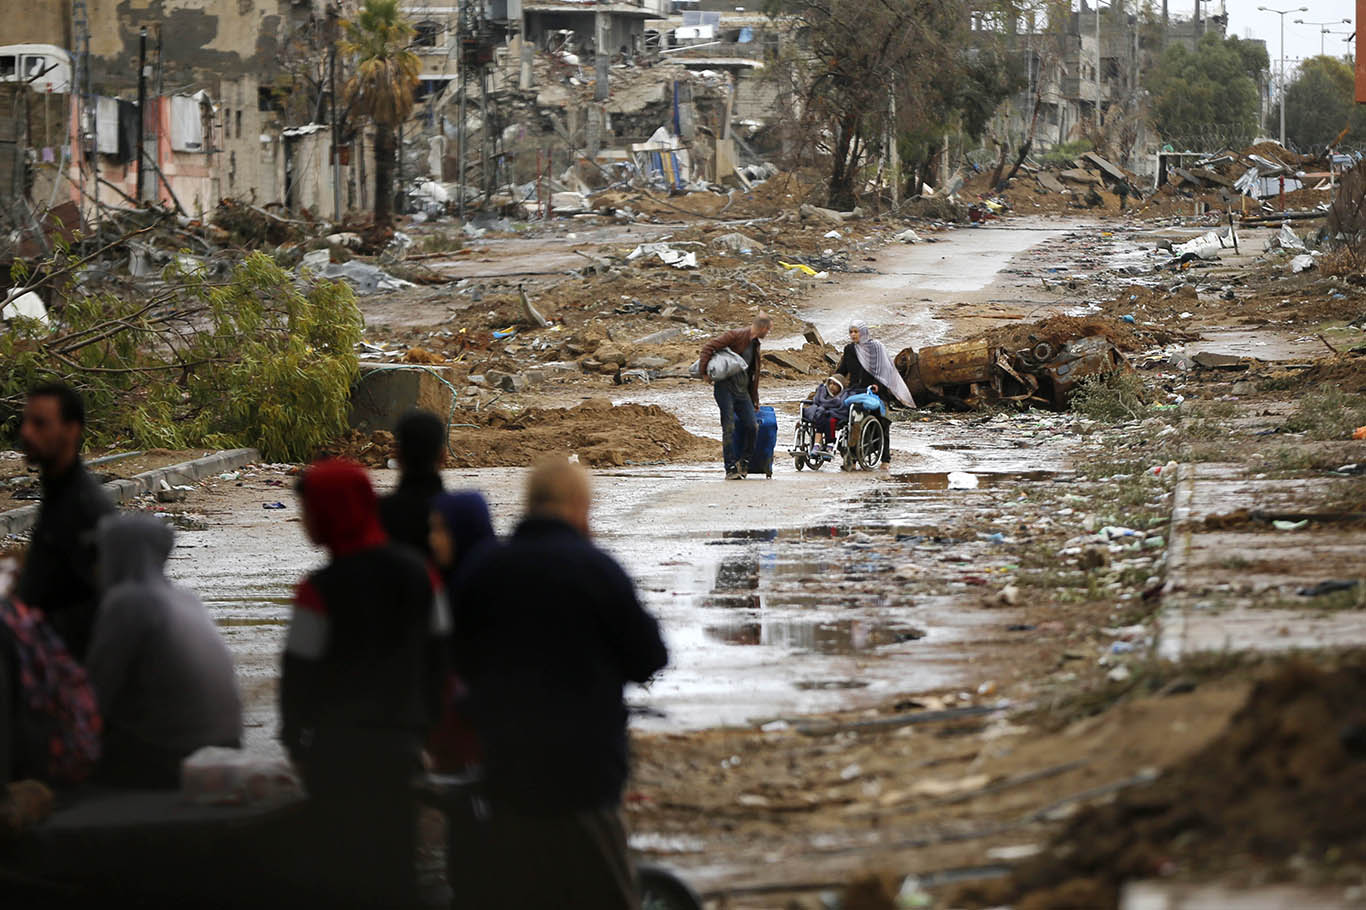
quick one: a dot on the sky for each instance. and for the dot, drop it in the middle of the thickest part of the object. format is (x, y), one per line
(1300, 40)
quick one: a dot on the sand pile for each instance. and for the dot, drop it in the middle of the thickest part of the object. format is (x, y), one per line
(598, 432)
(1283, 786)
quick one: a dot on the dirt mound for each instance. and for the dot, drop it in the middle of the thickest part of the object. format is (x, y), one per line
(1058, 330)
(370, 449)
(1347, 372)
(599, 433)
(1285, 781)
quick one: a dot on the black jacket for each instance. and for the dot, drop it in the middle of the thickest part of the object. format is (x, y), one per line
(356, 682)
(406, 511)
(859, 378)
(59, 570)
(548, 630)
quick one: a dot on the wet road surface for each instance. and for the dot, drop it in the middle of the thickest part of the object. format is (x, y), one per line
(811, 591)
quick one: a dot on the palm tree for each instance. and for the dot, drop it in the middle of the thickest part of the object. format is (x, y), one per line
(382, 86)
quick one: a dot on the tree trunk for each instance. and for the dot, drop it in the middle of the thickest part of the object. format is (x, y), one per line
(843, 166)
(1025, 147)
(385, 146)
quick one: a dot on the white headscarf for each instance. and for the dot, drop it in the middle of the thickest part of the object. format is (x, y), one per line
(873, 357)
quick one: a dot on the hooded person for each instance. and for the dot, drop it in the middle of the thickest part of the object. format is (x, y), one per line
(867, 364)
(160, 670)
(357, 690)
(460, 524)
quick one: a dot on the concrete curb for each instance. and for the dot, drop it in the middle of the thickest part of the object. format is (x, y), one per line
(1171, 625)
(19, 520)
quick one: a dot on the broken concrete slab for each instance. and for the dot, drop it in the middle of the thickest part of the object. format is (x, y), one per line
(1210, 360)
(1051, 183)
(739, 243)
(1079, 175)
(663, 336)
(386, 391)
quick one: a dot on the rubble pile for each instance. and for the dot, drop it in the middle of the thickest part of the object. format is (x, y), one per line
(1283, 781)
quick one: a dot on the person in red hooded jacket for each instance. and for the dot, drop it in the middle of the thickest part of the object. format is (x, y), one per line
(358, 690)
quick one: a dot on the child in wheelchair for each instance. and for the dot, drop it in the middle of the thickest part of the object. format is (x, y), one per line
(826, 410)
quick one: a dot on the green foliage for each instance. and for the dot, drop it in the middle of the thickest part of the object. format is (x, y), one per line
(1110, 397)
(1319, 102)
(256, 361)
(1060, 155)
(1211, 91)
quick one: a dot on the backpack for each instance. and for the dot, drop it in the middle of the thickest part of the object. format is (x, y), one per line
(57, 736)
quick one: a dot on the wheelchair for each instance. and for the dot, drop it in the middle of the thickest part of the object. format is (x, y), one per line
(859, 441)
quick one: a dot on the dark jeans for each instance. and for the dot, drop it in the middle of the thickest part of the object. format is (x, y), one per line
(739, 425)
(570, 860)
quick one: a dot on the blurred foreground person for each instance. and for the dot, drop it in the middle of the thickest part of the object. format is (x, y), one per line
(59, 570)
(548, 630)
(160, 668)
(357, 690)
(421, 440)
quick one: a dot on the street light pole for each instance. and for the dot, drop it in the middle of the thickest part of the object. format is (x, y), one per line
(1324, 30)
(1283, 13)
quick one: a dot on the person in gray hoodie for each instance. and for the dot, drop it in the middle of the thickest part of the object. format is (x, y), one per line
(162, 673)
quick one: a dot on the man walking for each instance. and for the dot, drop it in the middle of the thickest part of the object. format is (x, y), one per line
(421, 438)
(59, 571)
(738, 394)
(548, 630)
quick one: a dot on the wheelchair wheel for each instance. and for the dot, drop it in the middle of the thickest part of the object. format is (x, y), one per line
(660, 889)
(800, 461)
(872, 442)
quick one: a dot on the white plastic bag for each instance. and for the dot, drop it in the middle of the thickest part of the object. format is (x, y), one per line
(724, 364)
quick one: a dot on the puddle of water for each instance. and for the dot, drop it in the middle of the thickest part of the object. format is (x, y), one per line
(844, 636)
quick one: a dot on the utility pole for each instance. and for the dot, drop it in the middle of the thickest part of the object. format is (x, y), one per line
(1098, 67)
(142, 104)
(1283, 13)
(332, 92)
(1324, 30)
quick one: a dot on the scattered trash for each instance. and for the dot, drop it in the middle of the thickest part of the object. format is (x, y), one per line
(367, 279)
(273, 505)
(1281, 525)
(908, 236)
(797, 266)
(27, 305)
(1302, 263)
(1358, 433)
(832, 235)
(961, 480)
(1119, 674)
(665, 254)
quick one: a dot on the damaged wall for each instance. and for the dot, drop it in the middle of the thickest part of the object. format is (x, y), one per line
(200, 40)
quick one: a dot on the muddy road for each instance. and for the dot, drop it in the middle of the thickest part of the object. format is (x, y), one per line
(779, 601)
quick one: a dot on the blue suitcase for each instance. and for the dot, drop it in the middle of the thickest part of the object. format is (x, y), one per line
(765, 441)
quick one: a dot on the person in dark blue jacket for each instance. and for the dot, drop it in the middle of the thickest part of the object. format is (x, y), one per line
(547, 632)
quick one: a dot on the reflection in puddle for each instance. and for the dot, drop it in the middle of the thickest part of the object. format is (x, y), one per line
(843, 636)
(935, 480)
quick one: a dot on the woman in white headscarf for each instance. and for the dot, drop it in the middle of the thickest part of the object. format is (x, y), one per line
(868, 366)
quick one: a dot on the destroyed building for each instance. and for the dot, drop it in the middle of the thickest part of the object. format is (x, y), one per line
(1091, 64)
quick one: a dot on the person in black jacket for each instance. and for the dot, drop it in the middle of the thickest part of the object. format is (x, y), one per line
(547, 631)
(357, 691)
(59, 571)
(421, 439)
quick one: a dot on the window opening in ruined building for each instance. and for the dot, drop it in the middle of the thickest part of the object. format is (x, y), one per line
(239, 124)
(425, 33)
